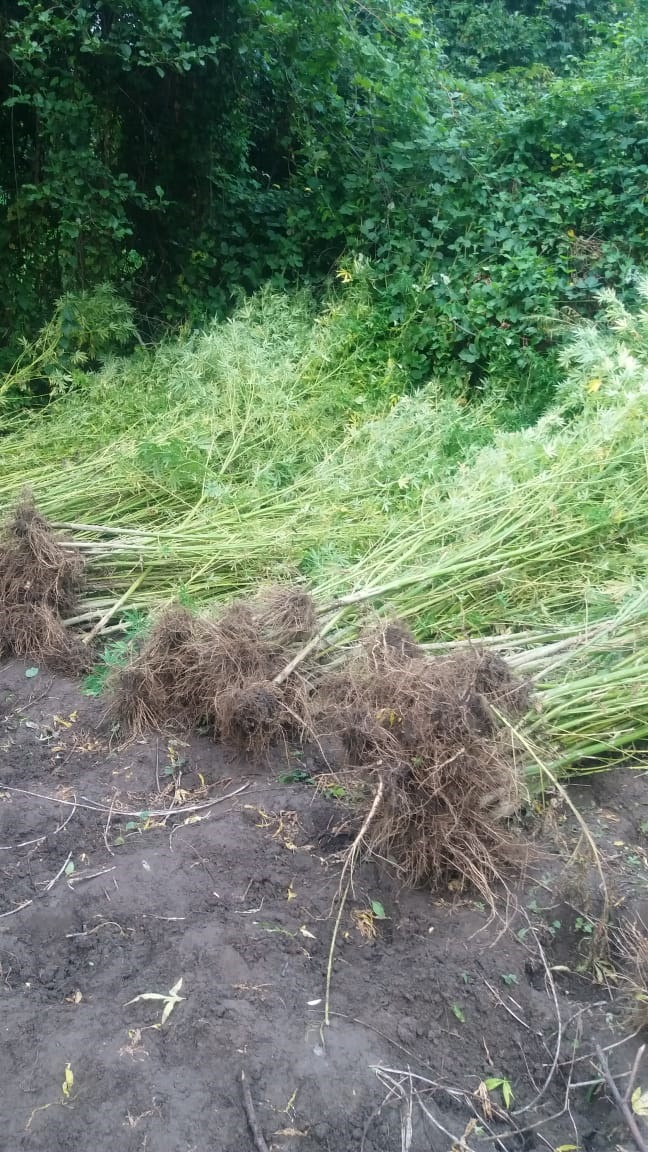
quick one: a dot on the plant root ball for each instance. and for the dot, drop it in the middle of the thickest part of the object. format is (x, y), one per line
(251, 715)
(35, 567)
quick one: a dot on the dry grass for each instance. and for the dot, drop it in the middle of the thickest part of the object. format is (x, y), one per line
(631, 943)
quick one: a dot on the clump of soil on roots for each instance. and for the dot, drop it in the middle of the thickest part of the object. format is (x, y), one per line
(426, 733)
(40, 580)
(194, 670)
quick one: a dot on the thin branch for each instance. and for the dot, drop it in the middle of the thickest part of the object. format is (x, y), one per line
(60, 872)
(348, 863)
(554, 1063)
(634, 1071)
(307, 649)
(18, 908)
(95, 807)
(623, 1107)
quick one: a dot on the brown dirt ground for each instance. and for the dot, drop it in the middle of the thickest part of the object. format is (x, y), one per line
(236, 899)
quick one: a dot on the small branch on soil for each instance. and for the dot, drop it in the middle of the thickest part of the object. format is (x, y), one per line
(72, 880)
(566, 799)
(634, 1071)
(106, 829)
(248, 1104)
(556, 1057)
(387, 1076)
(349, 864)
(23, 844)
(95, 807)
(502, 1004)
(67, 819)
(59, 873)
(18, 908)
(622, 1103)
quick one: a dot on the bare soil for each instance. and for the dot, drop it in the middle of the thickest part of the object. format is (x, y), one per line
(103, 901)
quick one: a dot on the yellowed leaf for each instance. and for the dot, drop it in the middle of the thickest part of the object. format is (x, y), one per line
(640, 1102)
(68, 1082)
(484, 1100)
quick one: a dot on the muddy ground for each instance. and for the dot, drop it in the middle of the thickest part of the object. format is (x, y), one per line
(232, 893)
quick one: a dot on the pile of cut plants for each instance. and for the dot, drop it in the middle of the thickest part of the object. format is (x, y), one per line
(463, 618)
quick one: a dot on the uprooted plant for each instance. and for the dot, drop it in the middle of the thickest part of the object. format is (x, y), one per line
(221, 672)
(40, 579)
(425, 729)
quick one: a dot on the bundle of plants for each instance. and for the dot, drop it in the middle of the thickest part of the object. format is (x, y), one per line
(424, 733)
(224, 673)
(40, 581)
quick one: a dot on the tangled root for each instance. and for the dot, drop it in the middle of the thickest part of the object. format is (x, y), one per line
(38, 633)
(40, 578)
(250, 716)
(35, 567)
(137, 699)
(392, 642)
(195, 670)
(287, 614)
(630, 940)
(427, 730)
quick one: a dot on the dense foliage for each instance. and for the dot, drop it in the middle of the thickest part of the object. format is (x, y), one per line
(479, 166)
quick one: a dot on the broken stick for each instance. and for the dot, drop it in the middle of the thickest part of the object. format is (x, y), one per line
(622, 1105)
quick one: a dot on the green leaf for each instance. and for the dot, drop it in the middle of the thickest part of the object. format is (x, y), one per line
(493, 1082)
(378, 910)
(31, 672)
(69, 868)
(458, 1013)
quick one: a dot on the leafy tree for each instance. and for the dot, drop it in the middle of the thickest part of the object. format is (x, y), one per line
(455, 158)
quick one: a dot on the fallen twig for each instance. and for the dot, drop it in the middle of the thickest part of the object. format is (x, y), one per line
(18, 908)
(60, 872)
(556, 1056)
(307, 649)
(95, 807)
(23, 844)
(621, 1102)
(248, 1104)
(634, 1071)
(106, 829)
(348, 863)
(89, 875)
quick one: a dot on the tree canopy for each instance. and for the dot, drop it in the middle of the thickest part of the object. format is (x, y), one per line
(482, 164)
